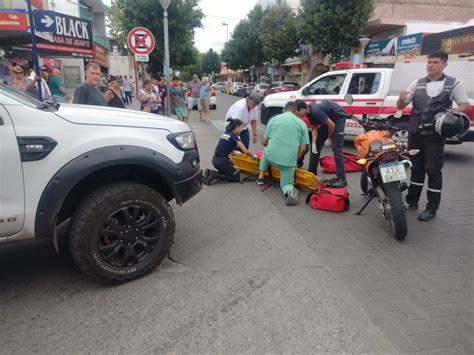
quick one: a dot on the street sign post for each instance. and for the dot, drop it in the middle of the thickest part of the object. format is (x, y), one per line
(45, 21)
(165, 4)
(141, 41)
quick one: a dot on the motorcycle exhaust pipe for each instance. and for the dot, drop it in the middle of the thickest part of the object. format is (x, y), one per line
(407, 163)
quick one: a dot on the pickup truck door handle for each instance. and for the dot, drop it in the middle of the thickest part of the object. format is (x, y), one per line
(371, 103)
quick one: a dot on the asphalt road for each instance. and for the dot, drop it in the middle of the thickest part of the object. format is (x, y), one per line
(249, 275)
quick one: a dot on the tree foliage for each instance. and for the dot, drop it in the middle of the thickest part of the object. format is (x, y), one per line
(244, 49)
(332, 26)
(183, 18)
(278, 33)
(211, 62)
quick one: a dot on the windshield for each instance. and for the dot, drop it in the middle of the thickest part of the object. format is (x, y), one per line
(18, 96)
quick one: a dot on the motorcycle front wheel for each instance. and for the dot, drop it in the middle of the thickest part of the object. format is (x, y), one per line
(395, 209)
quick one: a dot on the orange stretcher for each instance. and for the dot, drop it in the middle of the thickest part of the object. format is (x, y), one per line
(244, 163)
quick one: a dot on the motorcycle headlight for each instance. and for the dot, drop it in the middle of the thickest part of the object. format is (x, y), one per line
(183, 141)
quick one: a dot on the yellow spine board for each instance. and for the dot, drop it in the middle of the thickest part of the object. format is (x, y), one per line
(244, 163)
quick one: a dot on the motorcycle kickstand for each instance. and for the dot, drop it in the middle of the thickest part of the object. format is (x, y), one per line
(372, 195)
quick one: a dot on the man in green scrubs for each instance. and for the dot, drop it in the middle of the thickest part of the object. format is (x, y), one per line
(285, 140)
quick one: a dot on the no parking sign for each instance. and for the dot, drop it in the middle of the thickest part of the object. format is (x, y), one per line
(141, 41)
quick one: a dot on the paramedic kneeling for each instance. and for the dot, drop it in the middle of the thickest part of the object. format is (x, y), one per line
(229, 141)
(430, 95)
(329, 114)
(285, 140)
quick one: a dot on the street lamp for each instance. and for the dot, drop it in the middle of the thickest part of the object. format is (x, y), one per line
(165, 4)
(364, 41)
(227, 27)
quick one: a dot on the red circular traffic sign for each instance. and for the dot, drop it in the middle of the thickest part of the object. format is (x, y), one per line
(140, 40)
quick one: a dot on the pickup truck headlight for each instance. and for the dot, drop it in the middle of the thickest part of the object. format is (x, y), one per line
(183, 141)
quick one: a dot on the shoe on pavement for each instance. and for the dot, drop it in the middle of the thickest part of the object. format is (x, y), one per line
(413, 206)
(260, 182)
(205, 176)
(292, 197)
(427, 216)
(340, 183)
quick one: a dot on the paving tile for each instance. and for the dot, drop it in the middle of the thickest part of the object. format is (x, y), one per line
(432, 340)
(398, 340)
(432, 325)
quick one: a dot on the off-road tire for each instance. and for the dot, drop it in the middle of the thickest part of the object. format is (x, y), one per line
(396, 214)
(96, 208)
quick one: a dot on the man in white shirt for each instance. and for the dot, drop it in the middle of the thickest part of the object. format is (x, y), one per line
(246, 111)
(430, 95)
(45, 92)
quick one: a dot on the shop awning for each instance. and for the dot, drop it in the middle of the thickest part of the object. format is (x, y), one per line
(290, 64)
(382, 24)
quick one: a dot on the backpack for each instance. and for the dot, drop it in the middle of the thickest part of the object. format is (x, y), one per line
(328, 164)
(329, 199)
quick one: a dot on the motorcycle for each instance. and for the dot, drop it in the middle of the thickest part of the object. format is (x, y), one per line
(385, 165)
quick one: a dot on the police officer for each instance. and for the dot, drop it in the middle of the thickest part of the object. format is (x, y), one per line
(430, 95)
(328, 124)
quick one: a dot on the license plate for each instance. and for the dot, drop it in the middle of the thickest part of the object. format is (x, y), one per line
(393, 172)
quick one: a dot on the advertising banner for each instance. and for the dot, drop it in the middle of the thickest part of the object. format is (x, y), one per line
(379, 52)
(463, 44)
(409, 46)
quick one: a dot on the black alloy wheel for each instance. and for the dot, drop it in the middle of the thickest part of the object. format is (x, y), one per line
(128, 236)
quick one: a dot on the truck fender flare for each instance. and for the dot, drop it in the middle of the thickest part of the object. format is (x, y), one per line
(74, 171)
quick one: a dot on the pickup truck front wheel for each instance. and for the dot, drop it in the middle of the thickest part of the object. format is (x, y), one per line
(400, 134)
(121, 232)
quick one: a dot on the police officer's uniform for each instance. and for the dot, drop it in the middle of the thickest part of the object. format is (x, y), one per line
(429, 98)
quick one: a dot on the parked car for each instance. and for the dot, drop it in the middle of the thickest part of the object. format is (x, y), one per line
(234, 87)
(104, 175)
(219, 85)
(375, 91)
(212, 103)
(282, 86)
(260, 89)
(245, 90)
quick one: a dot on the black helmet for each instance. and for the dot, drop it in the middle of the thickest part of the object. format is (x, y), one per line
(452, 124)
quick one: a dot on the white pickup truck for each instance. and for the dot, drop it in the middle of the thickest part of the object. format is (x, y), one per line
(375, 91)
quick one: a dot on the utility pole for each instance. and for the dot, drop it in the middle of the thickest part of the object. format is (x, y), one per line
(227, 28)
(165, 4)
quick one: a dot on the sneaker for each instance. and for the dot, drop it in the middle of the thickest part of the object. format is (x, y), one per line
(427, 216)
(413, 206)
(292, 197)
(260, 182)
(340, 183)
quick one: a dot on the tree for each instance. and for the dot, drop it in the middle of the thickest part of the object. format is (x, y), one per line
(211, 62)
(332, 26)
(278, 33)
(183, 18)
(236, 52)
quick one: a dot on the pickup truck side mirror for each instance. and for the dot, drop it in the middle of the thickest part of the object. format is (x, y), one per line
(398, 114)
(349, 99)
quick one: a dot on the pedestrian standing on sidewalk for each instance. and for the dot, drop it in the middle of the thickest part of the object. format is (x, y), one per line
(328, 124)
(194, 99)
(56, 86)
(127, 89)
(148, 97)
(113, 94)
(246, 111)
(229, 141)
(285, 141)
(205, 99)
(89, 93)
(102, 83)
(44, 84)
(430, 95)
(177, 96)
(163, 94)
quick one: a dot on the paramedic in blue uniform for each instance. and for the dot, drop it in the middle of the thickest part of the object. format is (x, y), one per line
(430, 95)
(329, 117)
